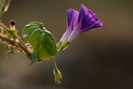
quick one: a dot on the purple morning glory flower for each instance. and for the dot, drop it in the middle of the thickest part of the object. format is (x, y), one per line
(87, 21)
(72, 19)
(77, 23)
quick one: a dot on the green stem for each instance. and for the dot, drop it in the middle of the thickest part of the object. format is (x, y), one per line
(55, 67)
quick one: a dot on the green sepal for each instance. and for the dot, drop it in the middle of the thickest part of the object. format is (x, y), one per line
(64, 46)
(41, 40)
(59, 44)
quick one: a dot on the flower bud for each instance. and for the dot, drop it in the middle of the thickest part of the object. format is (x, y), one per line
(12, 25)
(58, 76)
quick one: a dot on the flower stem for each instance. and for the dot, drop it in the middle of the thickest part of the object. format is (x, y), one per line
(55, 67)
(57, 73)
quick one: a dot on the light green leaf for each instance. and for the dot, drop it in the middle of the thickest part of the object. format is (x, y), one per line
(11, 31)
(41, 40)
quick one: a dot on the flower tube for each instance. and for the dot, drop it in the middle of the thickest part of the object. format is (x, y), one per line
(72, 19)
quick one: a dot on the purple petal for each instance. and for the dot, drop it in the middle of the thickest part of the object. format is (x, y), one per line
(85, 18)
(69, 16)
(93, 15)
(88, 24)
(97, 25)
(88, 19)
(74, 34)
(72, 17)
(83, 13)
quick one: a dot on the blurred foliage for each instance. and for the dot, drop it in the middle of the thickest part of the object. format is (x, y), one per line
(4, 4)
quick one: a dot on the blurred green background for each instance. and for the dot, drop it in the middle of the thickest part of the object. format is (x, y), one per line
(99, 59)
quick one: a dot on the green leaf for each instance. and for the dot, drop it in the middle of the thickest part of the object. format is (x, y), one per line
(41, 40)
(11, 31)
(34, 57)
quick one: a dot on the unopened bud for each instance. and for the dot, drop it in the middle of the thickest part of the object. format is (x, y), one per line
(12, 25)
(58, 76)
(12, 22)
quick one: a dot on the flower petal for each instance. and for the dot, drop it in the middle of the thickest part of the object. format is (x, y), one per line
(72, 17)
(85, 18)
(88, 19)
(74, 34)
(98, 24)
(89, 24)
(93, 15)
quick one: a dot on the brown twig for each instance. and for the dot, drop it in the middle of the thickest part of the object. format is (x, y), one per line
(17, 44)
